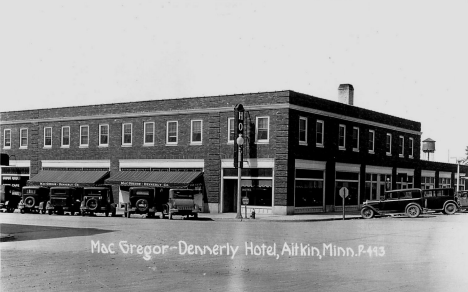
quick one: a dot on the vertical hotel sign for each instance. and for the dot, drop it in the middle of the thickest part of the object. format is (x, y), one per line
(238, 130)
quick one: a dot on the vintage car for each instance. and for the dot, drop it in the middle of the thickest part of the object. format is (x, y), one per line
(9, 198)
(142, 200)
(462, 199)
(440, 199)
(63, 199)
(181, 202)
(98, 200)
(407, 201)
(34, 199)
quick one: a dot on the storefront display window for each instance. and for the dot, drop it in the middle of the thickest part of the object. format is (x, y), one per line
(349, 180)
(309, 188)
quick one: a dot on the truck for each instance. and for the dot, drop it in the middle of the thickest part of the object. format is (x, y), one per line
(34, 199)
(64, 199)
(98, 200)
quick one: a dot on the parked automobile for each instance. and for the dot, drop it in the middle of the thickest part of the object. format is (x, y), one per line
(64, 199)
(181, 202)
(407, 201)
(34, 199)
(462, 199)
(98, 200)
(440, 199)
(9, 198)
(142, 200)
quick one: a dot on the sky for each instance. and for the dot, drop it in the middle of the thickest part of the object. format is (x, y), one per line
(404, 58)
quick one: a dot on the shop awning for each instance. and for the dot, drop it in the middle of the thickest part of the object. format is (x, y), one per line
(157, 178)
(69, 178)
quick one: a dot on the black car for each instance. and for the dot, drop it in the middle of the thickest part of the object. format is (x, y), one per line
(181, 202)
(64, 199)
(462, 199)
(9, 198)
(440, 199)
(98, 200)
(408, 201)
(34, 199)
(142, 200)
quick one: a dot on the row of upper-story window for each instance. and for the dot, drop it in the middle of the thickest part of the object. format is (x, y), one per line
(172, 134)
(342, 143)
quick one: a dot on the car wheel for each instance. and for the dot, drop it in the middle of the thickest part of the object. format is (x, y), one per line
(142, 205)
(22, 211)
(367, 213)
(50, 212)
(107, 213)
(195, 215)
(43, 211)
(450, 209)
(413, 211)
(30, 202)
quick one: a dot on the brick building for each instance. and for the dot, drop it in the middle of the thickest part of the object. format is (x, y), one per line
(299, 151)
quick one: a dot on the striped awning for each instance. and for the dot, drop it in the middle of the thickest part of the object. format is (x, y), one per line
(71, 178)
(156, 178)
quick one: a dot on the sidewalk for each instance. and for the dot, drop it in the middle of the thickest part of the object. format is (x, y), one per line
(285, 218)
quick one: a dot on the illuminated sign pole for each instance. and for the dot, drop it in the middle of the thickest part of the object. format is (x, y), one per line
(238, 152)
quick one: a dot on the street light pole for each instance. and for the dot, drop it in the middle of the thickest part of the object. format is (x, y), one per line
(240, 143)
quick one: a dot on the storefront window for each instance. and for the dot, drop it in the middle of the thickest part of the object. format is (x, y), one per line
(376, 185)
(309, 188)
(427, 182)
(349, 180)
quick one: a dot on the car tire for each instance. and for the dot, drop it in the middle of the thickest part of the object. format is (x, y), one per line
(50, 212)
(367, 213)
(413, 211)
(450, 209)
(145, 204)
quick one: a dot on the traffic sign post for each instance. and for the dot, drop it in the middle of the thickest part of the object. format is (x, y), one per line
(344, 192)
(245, 202)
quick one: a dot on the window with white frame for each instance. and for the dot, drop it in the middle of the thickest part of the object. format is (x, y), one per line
(196, 136)
(127, 134)
(262, 129)
(445, 182)
(401, 146)
(7, 138)
(371, 141)
(342, 137)
(65, 137)
(411, 147)
(172, 132)
(84, 136)
(103, 135)
(355, 139)
(319, 133)
(388, 144)
(149, 133)
(302, 131)
(48, 137)
(427, 182)
(230, 130)
(24, 138)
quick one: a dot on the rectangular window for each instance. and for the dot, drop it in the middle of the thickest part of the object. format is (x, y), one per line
(355, 139)
(230, 130)
(103, 135)
(196, 137)
(84, 136)
(388, 144)
(7, 138)
(411, 147)
(371, 141)
(171, 133)
(23, 138)
(401, 146)
(263, 124)
(66, 136)
(149, 133)
(342, 137)
(47, 137)
(127, 134)
(319, 133)
(302, 131)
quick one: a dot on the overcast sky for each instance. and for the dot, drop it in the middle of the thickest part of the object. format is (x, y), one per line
(404, 58)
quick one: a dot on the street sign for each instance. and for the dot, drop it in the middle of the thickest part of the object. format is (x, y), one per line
(245, 200)
(344, 192)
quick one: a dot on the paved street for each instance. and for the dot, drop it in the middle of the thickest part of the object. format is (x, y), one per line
(63, 253)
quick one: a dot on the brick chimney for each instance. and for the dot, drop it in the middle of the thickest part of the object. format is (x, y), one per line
(346, 94)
